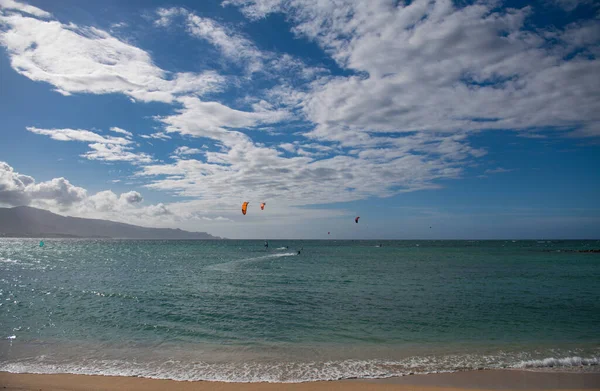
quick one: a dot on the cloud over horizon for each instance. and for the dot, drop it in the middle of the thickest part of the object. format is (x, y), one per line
(384, 98)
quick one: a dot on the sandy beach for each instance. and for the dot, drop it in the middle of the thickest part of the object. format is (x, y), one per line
(474, 380)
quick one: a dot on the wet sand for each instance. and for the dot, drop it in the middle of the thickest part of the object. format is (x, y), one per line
(475, 380)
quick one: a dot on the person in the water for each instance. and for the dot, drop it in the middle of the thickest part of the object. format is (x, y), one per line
(266, 244)
(300, 250)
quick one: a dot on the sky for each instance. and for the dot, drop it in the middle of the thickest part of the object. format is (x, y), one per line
(428, 119)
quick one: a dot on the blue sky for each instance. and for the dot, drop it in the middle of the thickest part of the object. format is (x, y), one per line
(429, 119)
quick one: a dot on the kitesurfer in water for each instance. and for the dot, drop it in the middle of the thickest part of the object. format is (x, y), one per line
(300, 250)
(266, 244)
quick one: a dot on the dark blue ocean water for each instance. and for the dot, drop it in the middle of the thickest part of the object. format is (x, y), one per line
(235, 311)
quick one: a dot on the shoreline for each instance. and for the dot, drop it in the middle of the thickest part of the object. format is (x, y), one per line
(496, 379)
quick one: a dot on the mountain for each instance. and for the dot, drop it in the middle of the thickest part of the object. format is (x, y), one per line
(33, 222)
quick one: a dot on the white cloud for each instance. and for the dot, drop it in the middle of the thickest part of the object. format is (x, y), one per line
(422, 77)
(431, 66)
(262, 173)
(60, 195)
(106, 203)
(17, 189)
(289, 147)
(122, 131)
(231, 44)
(79, 59)
(132, 197)
(237, 48)
(187, 151)
(57, 190)
(166, 16)
(213, 120)
(257, 9)
(26, 8)
(12, 186)
(104, 148)
(118, 25)
(218, 218)
(115, 153)
(157, 135)
(570, 5)
(78, 135)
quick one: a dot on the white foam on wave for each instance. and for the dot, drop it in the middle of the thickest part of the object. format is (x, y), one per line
(228, 265)
(552, 362)
(14, 262)
(286, 372)
(280, 372)
(283, 255)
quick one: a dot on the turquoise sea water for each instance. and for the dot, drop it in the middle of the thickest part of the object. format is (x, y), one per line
(235, 311)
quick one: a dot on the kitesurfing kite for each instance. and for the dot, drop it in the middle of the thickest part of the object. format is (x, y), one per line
(244, 207)
(356, 219)
(262, 205)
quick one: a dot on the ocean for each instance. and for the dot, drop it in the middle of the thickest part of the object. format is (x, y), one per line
(231, 310)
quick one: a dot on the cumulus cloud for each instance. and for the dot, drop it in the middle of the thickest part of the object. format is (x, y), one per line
(77, 59)
(17, 189)
(213, 215)
(12, 186)
(107, 201)
(62, 196)
(132, 197)
(57, 190)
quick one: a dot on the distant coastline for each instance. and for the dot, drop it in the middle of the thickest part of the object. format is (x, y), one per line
(28, 222)
(49, 236)
(68, 236)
